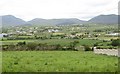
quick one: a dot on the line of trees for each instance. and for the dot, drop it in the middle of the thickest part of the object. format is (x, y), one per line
(23, 46)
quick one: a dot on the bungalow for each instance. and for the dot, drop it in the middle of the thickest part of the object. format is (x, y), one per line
(53, 30)
(113, 34)
(3, 35)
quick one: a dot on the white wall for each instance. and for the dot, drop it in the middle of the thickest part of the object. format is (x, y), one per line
(113, 52)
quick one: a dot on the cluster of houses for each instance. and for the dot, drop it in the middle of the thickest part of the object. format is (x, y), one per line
(23, 31)
(28, 31)
(35, 30)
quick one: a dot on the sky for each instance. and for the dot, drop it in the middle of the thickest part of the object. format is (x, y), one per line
(53, 9)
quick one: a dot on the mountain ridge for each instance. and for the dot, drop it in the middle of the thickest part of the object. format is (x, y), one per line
(105, 19)
(11, 20)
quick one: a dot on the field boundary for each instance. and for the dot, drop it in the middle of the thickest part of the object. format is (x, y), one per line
(113, 52)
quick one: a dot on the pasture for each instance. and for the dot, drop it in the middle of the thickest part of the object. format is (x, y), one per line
(0, 61)
(57, 61)
(54, 41)
(27, 38)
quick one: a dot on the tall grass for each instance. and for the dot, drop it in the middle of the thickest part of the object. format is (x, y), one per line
(57, 61)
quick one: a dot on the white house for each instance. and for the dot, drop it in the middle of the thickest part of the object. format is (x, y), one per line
(3, 35)
(113, 34)
(53, 30)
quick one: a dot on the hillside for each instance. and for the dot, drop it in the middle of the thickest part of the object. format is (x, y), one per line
(10, 20)
(105, 19)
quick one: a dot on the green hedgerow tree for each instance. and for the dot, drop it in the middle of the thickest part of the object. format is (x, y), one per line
(87, 48)
(115, 42)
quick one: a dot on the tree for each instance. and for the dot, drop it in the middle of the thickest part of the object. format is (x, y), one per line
(21, 43)
(32, 46)
(115, 42)
(96, 44)
(87, 48)
(58, 47)
(73, 33)
(73, 44)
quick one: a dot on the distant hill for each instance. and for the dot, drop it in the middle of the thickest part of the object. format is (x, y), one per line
(105, 19)
(55, 21)
(39, 21)
(67, 21)
(10, 20)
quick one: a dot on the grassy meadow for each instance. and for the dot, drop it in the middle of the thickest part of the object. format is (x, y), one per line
(62, 42)
(70, 49)
(57, 61)
(0, 61)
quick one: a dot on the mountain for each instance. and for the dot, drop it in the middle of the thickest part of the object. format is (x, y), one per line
(10, 20)
(67, 21)
(105, 19)
(39, 21)
(101, 19)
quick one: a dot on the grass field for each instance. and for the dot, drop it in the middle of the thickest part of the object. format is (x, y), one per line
(53, 41)
(0, 61)
(57, 61)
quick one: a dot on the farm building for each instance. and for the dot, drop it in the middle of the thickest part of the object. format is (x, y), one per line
(3, 35)
(113, 34)
(53, 30)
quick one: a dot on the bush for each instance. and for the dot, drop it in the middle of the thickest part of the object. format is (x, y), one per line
(106, 47)
(32, 46)
(96, 44)
(73, 44)
(115, 42)
(21, 43)
(87, 48)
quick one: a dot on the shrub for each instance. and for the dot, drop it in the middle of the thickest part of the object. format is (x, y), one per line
(32, 46)
(96, 44)
(73, 44)
(115, 42)
(98, 47)
(87, 48)
(21, 43)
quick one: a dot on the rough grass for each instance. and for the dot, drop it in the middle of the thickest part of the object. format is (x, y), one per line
(57, 61)
(0, 61)
(53, 41)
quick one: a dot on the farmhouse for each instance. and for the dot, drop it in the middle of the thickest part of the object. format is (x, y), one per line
(53, 30)
(3, 35)
(113, 34)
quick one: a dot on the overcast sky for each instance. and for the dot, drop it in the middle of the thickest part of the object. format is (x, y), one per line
(51, 9)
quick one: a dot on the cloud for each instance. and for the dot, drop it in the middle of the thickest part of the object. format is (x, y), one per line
(82, 9)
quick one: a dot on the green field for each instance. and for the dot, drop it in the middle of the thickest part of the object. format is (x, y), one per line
(53, 41)
(68, 50)
(0, 61)
(57, 61)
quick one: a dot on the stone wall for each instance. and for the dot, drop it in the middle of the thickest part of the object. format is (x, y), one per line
(113, 52)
